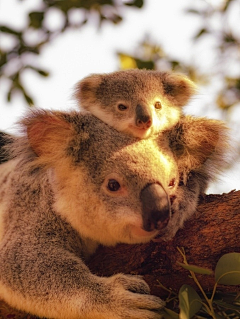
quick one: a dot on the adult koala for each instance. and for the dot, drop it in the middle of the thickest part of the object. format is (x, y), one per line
(73, 183)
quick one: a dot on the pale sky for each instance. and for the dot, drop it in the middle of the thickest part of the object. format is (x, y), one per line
(76, 54)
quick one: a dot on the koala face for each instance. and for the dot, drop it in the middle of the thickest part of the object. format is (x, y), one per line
(110, 187)
(137, 102)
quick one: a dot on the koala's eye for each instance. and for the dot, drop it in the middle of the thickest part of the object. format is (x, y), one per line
(113, 185)
(122, 107)
(172, 183)
(158, 105)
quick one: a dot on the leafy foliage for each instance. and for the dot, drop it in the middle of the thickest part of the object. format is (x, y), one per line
(153, 56)
(227, 271)
(13, 61)
(189, 302)
(216, 305)
(215, 25)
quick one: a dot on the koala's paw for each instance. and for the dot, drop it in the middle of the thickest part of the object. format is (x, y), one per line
(131, 299)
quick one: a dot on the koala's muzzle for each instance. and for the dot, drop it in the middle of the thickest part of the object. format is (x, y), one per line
(155, 207)
(143, 117)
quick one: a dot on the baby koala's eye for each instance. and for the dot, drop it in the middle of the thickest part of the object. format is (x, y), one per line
(158, 105)
(122, 107)
(113, 185)
(172, 183)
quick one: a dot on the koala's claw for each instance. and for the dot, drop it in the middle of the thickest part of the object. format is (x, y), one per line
(132, 298)
(132, 283)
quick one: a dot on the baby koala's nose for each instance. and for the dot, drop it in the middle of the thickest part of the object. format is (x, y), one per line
(155, 207)
(143, 117)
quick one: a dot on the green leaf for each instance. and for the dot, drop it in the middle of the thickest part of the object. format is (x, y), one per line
(135, 3)
(226, 5)
(194, 11)
(141, 64)
(231, 298)
(3, 59)
(36, 19)
(227, 271)
(43, 73)
(5, 29)
(174, 63)
(9, 94)
(226, 305)
(196, 269)
(189, 302)
(39, 71)
(200, 33)
(116, 19)
(169, 314)
(28, 99)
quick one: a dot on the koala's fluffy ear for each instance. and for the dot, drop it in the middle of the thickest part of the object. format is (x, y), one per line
(85, 90)
(178, 88)
(48, 134)
(201, 145)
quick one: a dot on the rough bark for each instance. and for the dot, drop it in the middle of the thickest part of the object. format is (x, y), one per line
(213, 231)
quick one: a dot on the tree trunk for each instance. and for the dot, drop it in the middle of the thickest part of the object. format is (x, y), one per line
(213, 231)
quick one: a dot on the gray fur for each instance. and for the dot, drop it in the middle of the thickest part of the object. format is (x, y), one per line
(56, 208)
(201, 148)
(138, 91)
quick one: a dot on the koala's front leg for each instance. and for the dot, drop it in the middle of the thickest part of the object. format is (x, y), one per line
(130, 299)
(54, 283)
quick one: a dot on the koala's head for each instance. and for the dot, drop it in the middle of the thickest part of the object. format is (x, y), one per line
(137, 102)
(111, 187)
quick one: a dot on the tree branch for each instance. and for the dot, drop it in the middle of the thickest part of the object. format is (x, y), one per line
(213, 231)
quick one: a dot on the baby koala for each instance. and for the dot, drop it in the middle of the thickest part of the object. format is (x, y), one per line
(137, 102)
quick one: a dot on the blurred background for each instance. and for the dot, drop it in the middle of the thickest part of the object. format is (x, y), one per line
(46, 46)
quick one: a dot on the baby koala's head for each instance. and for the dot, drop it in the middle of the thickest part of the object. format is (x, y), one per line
(137, 102)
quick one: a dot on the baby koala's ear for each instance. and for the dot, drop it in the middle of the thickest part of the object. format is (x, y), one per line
(85, 90)
(178, 88)
(201, 145)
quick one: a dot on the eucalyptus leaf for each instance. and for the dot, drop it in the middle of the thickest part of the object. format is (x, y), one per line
(6, 29)
(194, 11)
(28, 98)
(226, 305)
(141, 64)
(189, 302)
(135, 3)
(9, 94)
(227, 271)
(169, 314)
(196, 269)
(39, 71)
(201, 32)
(36, 19)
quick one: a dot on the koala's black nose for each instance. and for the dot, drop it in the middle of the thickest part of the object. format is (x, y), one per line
(143, 117)
(155, 207)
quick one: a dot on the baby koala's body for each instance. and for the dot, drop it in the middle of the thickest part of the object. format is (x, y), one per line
(137, 102)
